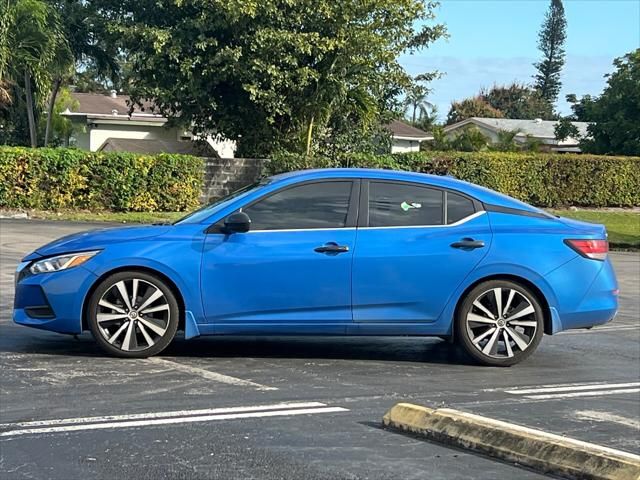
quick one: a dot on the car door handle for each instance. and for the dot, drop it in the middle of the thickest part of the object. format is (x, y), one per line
(468, 243)
(331, 247)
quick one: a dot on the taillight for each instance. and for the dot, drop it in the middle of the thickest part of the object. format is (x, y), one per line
(594, 249)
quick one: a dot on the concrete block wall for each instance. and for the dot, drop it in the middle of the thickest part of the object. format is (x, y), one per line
(223, 176)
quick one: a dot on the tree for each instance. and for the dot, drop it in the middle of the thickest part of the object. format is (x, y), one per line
(565, 129)
(270, 74)
(415, 102)
(87, 45)
(551, 41)
(614, 116)
(32, 47)
(472, 107)
(518, 101)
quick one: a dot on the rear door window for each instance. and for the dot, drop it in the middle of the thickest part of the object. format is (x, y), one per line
(404, 205)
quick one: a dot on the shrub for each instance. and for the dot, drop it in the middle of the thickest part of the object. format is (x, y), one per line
(59, 178)
(543, 179)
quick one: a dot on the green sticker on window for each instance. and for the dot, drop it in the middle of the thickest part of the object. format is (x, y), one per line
(408, 206)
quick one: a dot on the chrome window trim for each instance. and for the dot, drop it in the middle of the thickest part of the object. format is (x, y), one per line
(459, 222)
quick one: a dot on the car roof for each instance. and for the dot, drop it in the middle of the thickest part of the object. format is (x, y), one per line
(482, 194)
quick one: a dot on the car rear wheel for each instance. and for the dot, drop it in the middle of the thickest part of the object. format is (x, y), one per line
(499, 323)
(133, 314)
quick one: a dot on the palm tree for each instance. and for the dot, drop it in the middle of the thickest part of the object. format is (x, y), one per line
(29, 50)
(416, 102)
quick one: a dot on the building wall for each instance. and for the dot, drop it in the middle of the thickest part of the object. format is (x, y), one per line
(404, 146)
(223, 176)
(102, 132)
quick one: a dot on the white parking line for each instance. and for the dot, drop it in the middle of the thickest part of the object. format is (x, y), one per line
(214, 376)
(175, 413)
(607, 417)
(570, 388)
(575, 390)
(584, 394)
(151, 420)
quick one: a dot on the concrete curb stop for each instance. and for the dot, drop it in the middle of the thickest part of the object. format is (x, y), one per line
(536, 449)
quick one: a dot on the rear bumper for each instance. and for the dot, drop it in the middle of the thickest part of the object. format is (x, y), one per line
(52, 301)
(587, 292)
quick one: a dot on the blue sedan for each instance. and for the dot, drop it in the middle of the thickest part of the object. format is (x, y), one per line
(330, 252)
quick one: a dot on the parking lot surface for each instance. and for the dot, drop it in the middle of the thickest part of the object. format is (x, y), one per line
(294, 407)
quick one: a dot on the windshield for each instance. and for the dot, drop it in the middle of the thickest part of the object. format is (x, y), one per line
(203, 212)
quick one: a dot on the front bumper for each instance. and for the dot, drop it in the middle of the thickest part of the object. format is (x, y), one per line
(52, 301)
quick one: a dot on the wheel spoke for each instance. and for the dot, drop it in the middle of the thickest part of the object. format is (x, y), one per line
(524, 323)
(146, 336)
(152, 298)
(489, 347)
(479, 338)
(129, 338)
(152, 326)
(106, 317)
(521, 313)
(507, 343)
(497, 294)
(134, 294)
(118, 332)
(159, 308)
(106, 304)
(122, 288)
(472, 317)
(512, 293)
(483, 308)
(521, 342)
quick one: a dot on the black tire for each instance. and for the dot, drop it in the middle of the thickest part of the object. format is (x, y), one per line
(122, 331)
(484, 338)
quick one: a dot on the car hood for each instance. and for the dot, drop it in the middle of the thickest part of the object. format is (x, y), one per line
(98, 239)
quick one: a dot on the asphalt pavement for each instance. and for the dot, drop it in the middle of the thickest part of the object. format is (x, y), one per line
(294, 407)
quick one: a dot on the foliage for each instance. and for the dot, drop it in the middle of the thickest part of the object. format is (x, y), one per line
(615, 115)
(68, 178)
(565, 129)
(551, 41)
(471, 107)
(502, 101)
(470, 139)
(518, 101)
(35, 49)
(270, 73)
(543, 179)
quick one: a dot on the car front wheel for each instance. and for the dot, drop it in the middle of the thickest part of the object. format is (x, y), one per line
(133, 314)
(499, 323)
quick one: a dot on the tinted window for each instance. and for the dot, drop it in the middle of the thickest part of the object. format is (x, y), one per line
(458, 207)
(314, 205)
(394, 204)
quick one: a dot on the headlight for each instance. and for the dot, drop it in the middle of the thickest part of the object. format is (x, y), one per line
(61, 262)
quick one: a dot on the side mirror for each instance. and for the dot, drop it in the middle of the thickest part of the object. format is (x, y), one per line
(238, 222)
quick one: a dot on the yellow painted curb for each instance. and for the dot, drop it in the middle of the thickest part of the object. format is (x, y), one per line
(542, 451)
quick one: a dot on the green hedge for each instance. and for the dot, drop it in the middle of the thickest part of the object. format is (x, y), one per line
(48, 178)
(542, 179)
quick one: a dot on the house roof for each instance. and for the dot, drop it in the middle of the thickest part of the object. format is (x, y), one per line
(199, 149)
(541, 129)
(404, 131)
(114, 106)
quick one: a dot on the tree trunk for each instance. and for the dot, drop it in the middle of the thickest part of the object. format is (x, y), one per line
(309, 135)
(30, 111)
(413, 117)
(52, 100)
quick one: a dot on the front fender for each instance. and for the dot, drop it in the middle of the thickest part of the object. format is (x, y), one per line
(183, 272)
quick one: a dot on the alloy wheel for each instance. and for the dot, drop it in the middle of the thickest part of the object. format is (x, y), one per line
(502, 323)
(133, 314)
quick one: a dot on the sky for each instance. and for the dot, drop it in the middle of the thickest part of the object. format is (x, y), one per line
(495, 42)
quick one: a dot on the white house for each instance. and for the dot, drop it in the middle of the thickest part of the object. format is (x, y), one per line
(406, 138)
(540, 130)
(103, 122)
